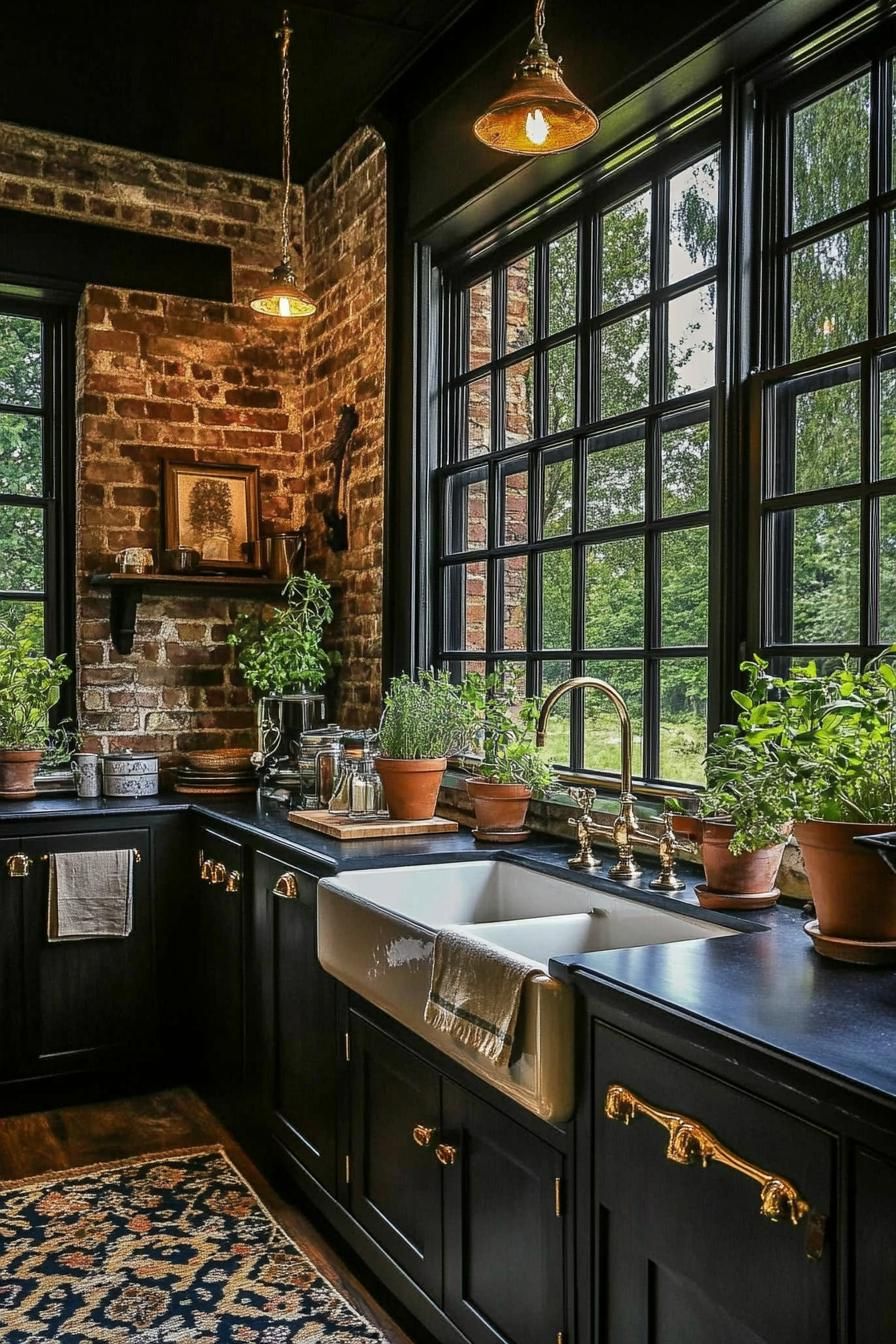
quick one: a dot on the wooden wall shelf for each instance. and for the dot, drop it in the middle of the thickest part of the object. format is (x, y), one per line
(127, 591)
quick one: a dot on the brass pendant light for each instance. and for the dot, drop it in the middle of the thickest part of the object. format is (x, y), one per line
(283, 297)
(538, 114)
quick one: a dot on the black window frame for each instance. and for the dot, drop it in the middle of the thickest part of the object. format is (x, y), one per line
(673, 153)
(775, 375)
(57, 312)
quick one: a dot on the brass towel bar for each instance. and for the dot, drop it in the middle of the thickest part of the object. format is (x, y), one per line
(690, 1142)
(19, 865)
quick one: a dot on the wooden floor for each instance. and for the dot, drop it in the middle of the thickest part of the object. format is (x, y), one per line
(76, 1136)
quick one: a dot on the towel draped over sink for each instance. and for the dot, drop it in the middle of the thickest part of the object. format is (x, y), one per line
(91, 895)
(475, 992)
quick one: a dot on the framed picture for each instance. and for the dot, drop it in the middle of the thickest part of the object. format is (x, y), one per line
(212, 509)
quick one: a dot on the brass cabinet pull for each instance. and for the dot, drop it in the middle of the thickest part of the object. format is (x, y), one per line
(286, 887)
(18, 865)
(422, 1135)
(690, 1142)
(233, 882)
(446, 1153)
(205, 872)
(218, 874)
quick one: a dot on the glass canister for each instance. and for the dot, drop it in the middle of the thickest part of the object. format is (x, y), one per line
(366, 799)
(319, 757)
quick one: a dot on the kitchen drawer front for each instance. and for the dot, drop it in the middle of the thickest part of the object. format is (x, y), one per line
(684, 1251)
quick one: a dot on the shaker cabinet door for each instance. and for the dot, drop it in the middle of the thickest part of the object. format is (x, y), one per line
(86, 1004)
(504, 1229)
(683, 1251)
(218, 987)
(395, 1189)
(302, 1045)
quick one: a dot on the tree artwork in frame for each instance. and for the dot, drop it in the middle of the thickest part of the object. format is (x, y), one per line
(211, 509)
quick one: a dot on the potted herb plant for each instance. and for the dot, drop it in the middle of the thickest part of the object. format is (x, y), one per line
(29, 688)
(282, 653)
(746, 814)
(424, 722)
(512, 771)
(835, 741)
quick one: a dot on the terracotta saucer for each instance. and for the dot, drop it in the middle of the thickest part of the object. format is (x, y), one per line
(721, 900)
(500, 837)
(859, 951)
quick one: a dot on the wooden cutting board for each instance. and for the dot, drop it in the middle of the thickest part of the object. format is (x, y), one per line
(344, 828)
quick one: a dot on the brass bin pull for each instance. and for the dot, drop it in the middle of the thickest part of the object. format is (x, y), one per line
(422, 1135)
(18, 865)
(287, 887)
(446, 1153)
(690, 1142)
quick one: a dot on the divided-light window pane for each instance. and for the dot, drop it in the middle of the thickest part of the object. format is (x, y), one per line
(625, 252)
(694, 218)
(830, 154)
(20, 360)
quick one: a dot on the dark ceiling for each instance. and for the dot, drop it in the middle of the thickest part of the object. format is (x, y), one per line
(199, 80)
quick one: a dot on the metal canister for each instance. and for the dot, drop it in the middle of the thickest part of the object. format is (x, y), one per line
(130, 774)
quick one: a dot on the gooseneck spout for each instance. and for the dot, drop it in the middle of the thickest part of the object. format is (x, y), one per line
(615, 699)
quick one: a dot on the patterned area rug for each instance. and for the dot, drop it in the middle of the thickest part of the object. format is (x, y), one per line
(158, 1250)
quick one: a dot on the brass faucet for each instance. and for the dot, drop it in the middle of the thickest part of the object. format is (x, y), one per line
(624, 830)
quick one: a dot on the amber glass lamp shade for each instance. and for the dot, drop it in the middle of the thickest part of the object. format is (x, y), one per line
(283, 297)
(538, 114)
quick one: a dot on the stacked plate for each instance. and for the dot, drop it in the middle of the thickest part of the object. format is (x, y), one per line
(229, 770)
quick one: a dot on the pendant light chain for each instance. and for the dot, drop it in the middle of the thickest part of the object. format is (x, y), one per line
(285, 34)
(539, 19)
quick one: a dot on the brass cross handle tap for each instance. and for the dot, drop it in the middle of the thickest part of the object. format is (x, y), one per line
(583, 822)
(671, 847)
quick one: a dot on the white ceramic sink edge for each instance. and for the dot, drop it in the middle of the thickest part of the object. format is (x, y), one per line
(376, 930)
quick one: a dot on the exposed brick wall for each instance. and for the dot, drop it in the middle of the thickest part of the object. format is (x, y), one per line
(166, 376)
(345, 231)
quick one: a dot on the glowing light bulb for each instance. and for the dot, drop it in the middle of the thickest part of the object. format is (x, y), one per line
(537, 127)
(283, 305)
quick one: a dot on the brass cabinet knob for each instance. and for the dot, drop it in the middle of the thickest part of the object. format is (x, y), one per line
(446, 1153)
(233, 882)
(422, 1135)
(287, 887)
(18, 865)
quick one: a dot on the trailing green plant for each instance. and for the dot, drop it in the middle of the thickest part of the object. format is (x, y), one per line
(282, 653)
(505, 723)
(29, 688)
(832, 734)
(424, 718)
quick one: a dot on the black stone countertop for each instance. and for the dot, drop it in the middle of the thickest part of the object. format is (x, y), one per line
(766, 985)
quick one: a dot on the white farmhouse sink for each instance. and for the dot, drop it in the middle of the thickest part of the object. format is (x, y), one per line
(375, 933)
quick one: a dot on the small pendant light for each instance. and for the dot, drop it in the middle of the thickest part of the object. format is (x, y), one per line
(283, 297)
(538, 114)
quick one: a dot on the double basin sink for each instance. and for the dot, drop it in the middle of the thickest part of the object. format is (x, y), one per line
(377, 927)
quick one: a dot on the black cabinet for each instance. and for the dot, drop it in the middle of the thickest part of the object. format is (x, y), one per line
(83, 1005)
(873, 1245)
(504, 1226)
(298, 1019)
(395, 1191)
(218, 972)
(683, 1252)
(468, 1202)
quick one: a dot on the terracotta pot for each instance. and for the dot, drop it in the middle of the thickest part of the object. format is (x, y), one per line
(737, 874)
(853, 892)
(411, 787)
(17, 770)
(500, 809)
